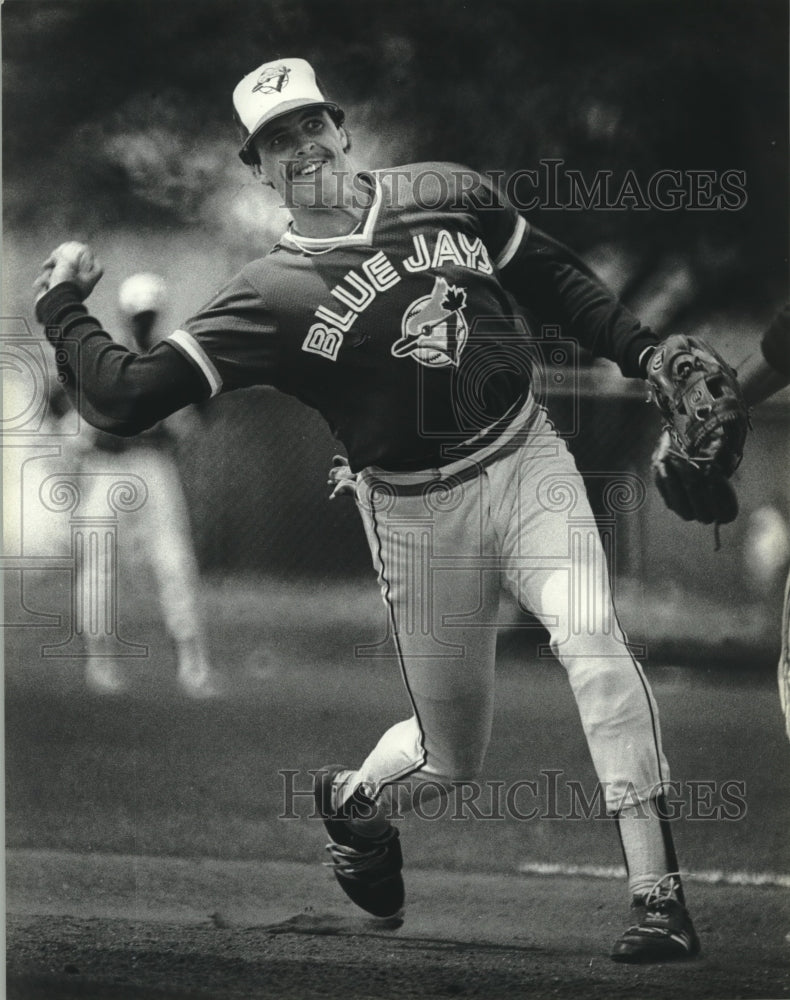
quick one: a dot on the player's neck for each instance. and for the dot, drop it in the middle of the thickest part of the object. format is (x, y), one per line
(342, 218)
(325, 223)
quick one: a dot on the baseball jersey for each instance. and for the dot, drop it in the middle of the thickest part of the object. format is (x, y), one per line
(403, 334)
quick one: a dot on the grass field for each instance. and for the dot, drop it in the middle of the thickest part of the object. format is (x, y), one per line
(155, 777)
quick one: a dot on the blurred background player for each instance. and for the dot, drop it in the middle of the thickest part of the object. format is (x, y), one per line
(159, 531)
(761, 376)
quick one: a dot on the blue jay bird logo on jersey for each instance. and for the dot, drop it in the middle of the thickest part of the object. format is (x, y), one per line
(434, 329)
(272, 80)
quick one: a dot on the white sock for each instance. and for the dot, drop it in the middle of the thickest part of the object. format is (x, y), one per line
(644, 848)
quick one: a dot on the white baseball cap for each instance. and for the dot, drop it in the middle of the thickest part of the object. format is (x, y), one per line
(274, 89)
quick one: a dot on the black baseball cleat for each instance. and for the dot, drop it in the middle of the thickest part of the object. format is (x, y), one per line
(662, 929)
(367, 868)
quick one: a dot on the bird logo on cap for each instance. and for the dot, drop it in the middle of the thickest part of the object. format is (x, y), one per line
(272, 80)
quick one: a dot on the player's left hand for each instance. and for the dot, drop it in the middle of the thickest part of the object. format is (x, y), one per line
(705, 425)
(73, 262)
(341, 478)
(694, 493)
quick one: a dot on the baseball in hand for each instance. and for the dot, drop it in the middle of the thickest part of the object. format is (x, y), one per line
(72, 262)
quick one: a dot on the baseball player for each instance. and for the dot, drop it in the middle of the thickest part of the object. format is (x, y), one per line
(388, 306)
(160, 528)
(761, 376)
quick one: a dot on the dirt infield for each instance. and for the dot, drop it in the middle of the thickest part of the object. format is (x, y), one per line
(135, 928)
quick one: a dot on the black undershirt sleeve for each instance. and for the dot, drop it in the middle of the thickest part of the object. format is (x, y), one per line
(114, 388)
(551, 281)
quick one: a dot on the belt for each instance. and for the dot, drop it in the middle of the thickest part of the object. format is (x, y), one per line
(489, 445)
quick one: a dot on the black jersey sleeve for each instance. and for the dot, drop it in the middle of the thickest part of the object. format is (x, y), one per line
(776, 342)
(113, 388)
(550, 280)
(553, 282)
(503, 228)
(556, 286)
(233, 340)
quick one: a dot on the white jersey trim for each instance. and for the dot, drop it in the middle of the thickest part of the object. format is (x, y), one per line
(187, 343)
(310, 244)
(512, 244)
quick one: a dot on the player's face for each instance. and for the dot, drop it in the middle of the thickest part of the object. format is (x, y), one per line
(301, 155)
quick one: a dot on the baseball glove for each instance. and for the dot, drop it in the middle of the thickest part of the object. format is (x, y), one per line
(705, 426)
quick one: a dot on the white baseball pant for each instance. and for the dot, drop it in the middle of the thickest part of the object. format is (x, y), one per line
(443, 543)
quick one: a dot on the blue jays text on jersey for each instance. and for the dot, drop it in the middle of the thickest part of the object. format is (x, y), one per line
(357, 290)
